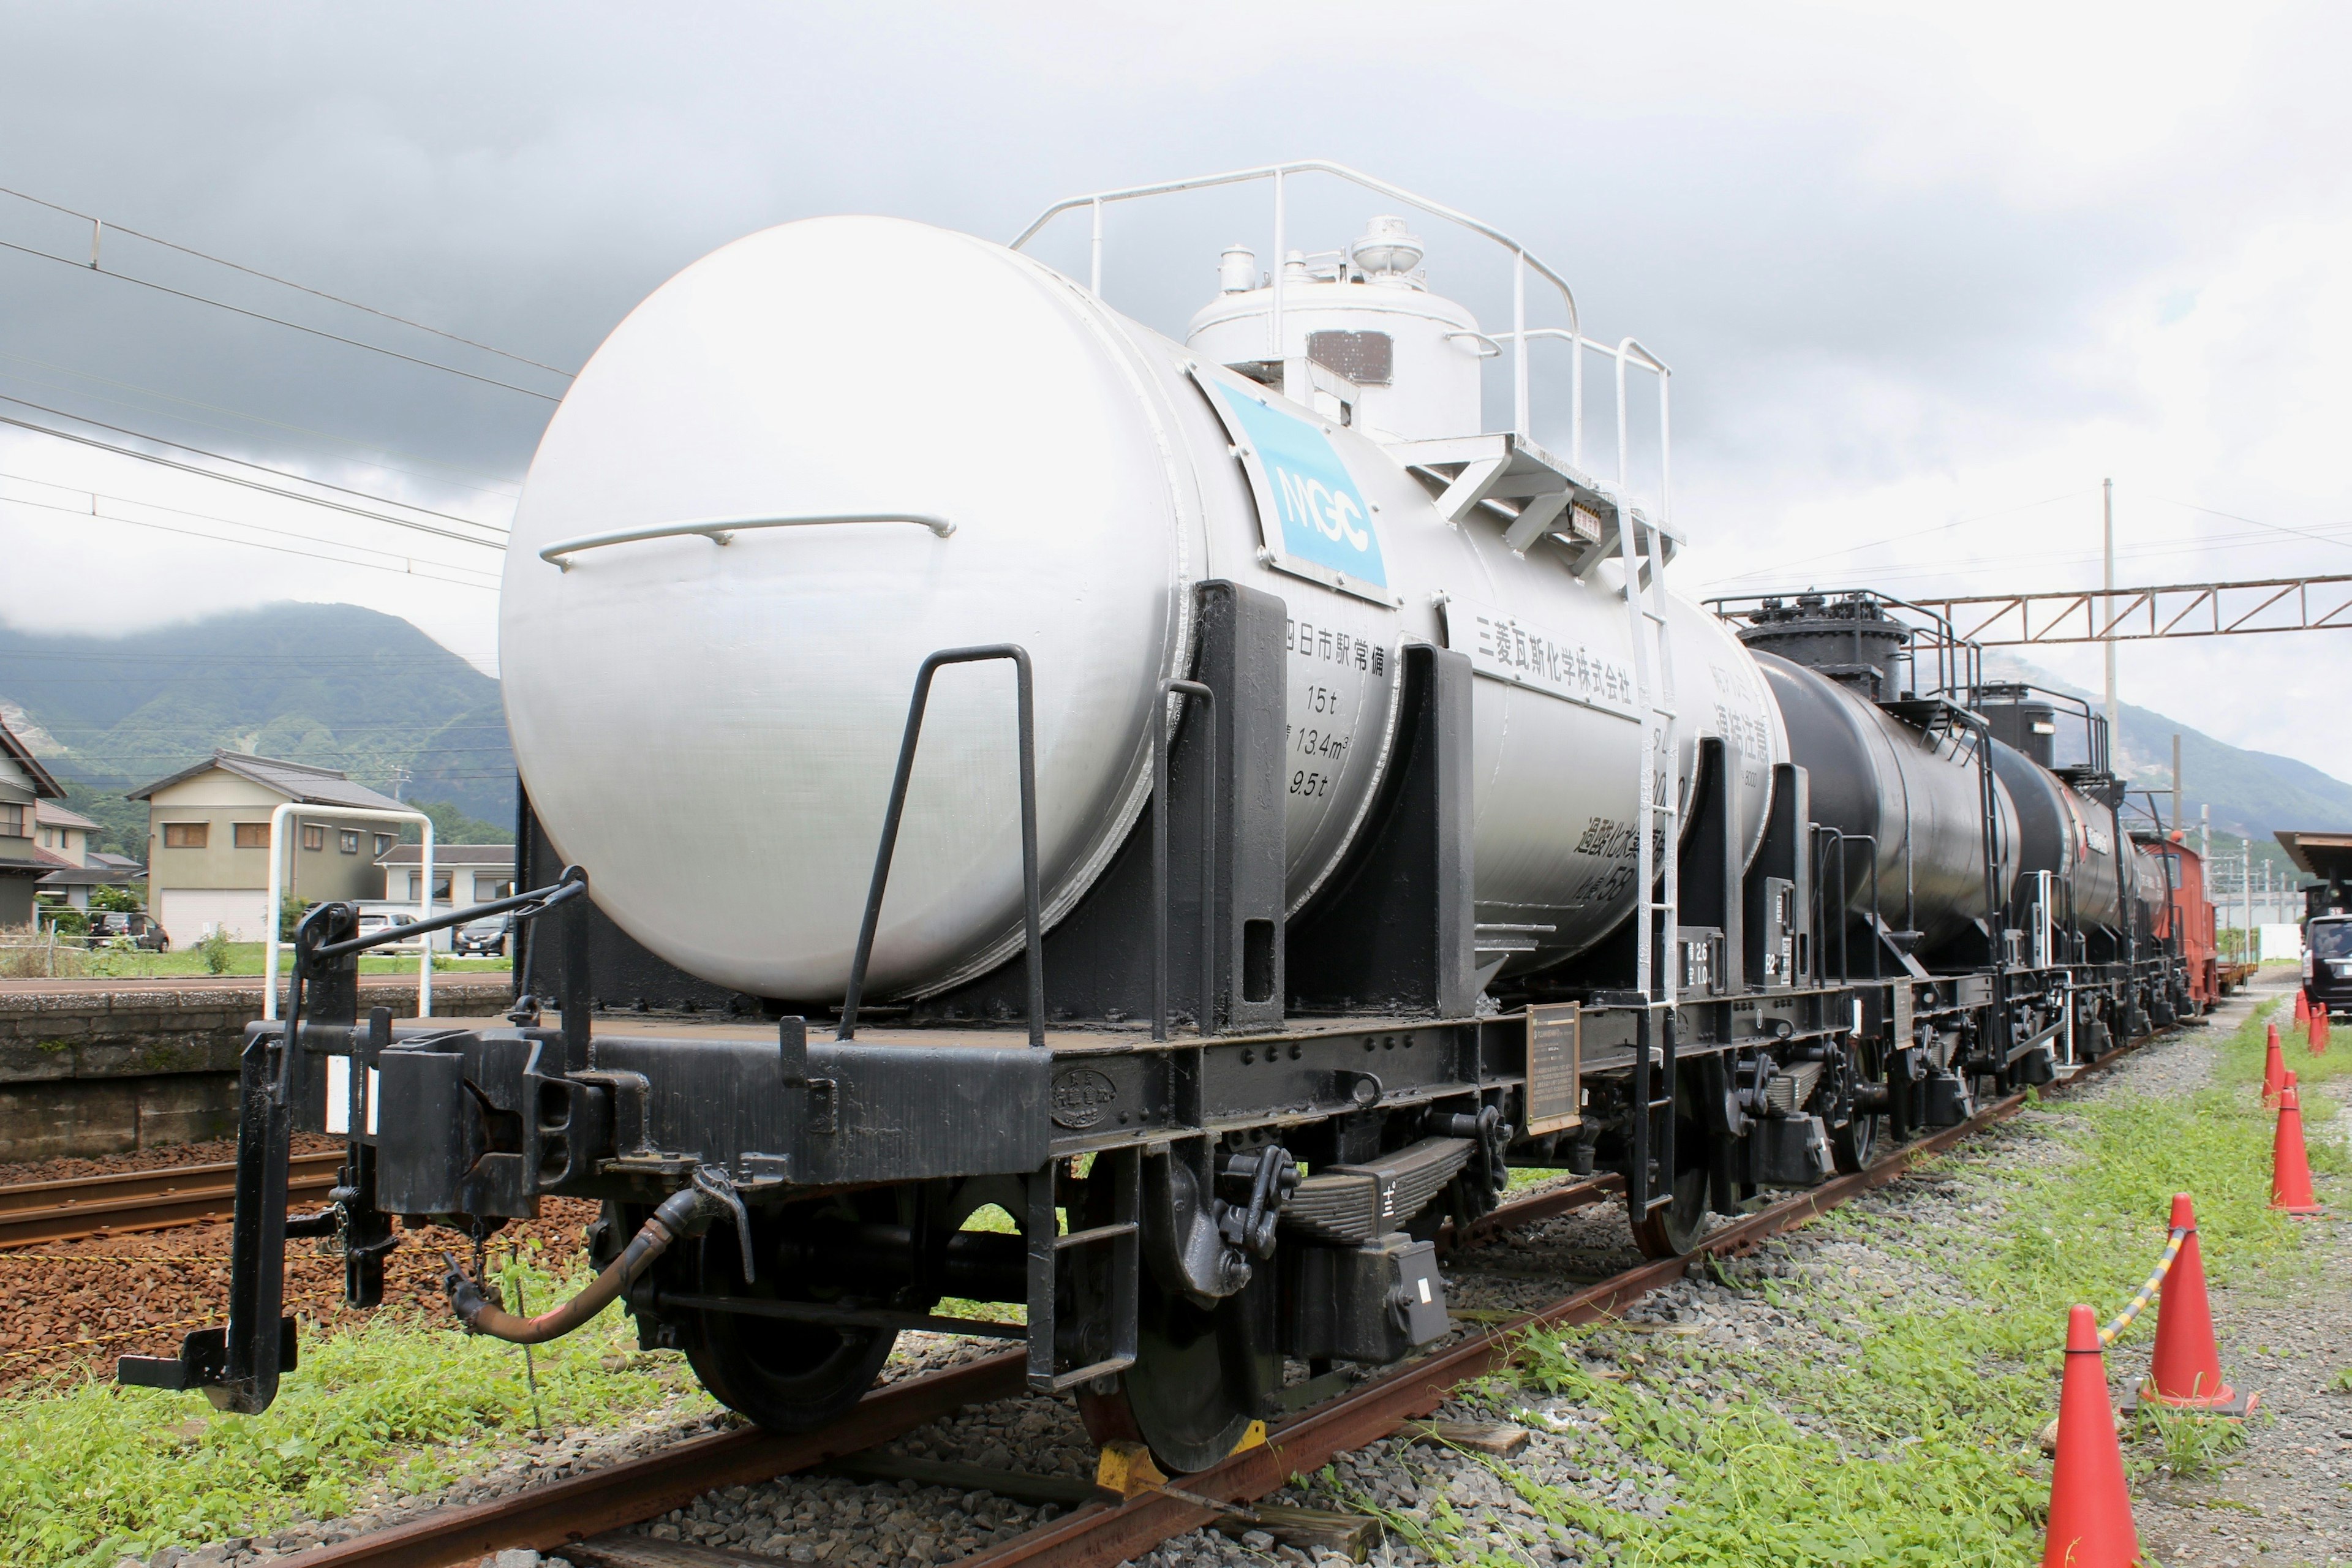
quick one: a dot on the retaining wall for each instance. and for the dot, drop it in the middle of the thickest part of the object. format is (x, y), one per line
(92, 1070)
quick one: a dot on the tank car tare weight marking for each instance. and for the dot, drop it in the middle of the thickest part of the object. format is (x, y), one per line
(1354, 748)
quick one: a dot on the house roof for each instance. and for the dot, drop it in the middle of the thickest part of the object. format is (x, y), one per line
(50, 814)
(116, 862)
(44, 787)
(297, 782)
(451, 855)
(86, 877)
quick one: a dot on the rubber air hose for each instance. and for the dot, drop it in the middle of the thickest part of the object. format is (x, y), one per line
(676, 1216)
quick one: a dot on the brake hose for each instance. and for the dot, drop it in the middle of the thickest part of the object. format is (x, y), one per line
(676, 1216)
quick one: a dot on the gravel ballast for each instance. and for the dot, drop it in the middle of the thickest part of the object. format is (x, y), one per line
(2283, 1498)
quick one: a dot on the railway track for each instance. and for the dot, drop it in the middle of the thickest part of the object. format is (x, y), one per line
(581, 1515)
(35, 1212)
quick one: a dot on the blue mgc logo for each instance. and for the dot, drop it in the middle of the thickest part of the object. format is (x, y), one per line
(1323, 516)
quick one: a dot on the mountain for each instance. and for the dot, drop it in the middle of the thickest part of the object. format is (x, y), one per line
(2251, 794)
(351, 688)
(334, 685)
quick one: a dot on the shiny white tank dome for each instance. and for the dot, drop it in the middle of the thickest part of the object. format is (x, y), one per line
(711, 729)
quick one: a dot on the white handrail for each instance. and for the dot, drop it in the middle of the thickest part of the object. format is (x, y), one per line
(277, 893)
(720, 530)
(1522, 259)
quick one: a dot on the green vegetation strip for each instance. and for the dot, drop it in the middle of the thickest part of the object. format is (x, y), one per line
(90, 1473)
(1902, 1427)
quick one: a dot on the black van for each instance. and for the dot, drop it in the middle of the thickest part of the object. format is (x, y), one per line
(2327, 963)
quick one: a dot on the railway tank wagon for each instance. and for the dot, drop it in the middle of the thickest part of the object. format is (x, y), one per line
(1220, 802)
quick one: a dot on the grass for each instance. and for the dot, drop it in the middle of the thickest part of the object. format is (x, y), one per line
(90, 1473)
(236, 958)
(1904, 1430)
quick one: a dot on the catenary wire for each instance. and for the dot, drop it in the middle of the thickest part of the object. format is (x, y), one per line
(1897, 538)
(96, 496)
(499, 485)
(278, 320)
(2320, 537)
(251, 484)
(273, 277)
(252, 543)
(249, 463)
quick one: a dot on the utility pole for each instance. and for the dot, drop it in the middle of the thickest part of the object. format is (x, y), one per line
(2176, 779)
(2205, 832)
(2246, 891)
(2106, 614)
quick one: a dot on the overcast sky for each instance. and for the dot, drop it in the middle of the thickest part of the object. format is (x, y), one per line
(1926, 275)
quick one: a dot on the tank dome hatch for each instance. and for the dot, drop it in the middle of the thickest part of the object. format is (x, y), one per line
(2018, 717)
(1363, 337)
(1850, 640)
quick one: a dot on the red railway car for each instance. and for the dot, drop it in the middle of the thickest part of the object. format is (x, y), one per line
(2186, 913)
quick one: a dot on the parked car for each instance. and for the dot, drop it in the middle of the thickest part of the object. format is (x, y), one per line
(120, 926)
(374, 921)
(486, 937)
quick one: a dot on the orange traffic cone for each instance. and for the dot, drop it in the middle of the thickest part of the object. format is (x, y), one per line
(2186, 1371)
(2274, 1068)
(2290, 1165)
(2090, 1505)
(2319, 1031)
(2301, 1005)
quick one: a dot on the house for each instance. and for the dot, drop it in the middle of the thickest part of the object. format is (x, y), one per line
(25, 787)
(462, 873)
(65, 837)
(208, 842)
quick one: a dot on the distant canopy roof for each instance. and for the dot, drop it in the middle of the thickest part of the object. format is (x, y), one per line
(297, 782)
(2327, 855)
(447, 855)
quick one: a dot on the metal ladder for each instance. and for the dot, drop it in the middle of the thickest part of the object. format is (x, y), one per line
(1123, 1235)
(1643, 547)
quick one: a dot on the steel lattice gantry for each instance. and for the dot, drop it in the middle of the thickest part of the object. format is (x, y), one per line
(2140, 615)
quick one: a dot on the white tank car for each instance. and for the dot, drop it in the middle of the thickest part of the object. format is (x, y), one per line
(710, 723)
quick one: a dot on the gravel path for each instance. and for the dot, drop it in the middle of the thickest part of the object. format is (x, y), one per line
(2287, 1497)
(2287, 1493)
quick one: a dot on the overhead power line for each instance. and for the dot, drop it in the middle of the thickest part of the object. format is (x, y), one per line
(249, 463)
(501, 485)
(1780, 566)
(279, 320)
(249, 543)
(249, 484)
(98, 224)
(97, 495)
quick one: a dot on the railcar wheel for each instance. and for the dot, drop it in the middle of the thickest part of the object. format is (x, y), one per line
(1674, 1227)
(1199, 1376)
(784, 1376)
(1852, 1145)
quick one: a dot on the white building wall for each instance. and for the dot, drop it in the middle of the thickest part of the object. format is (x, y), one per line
(185, 913)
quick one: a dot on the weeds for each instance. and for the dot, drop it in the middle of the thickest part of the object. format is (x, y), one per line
(2190, 1445)
(1896, 1422)
(90, 1472)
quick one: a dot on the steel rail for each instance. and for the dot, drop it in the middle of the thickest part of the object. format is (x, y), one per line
(550, 1517)
(1102, 1534)
(558, 1514)
(67, 1210)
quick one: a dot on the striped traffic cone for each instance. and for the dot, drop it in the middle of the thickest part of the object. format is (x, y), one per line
(2273, 1066)
(2186, 1370)
(2289, 1164)
(2090, 1504)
